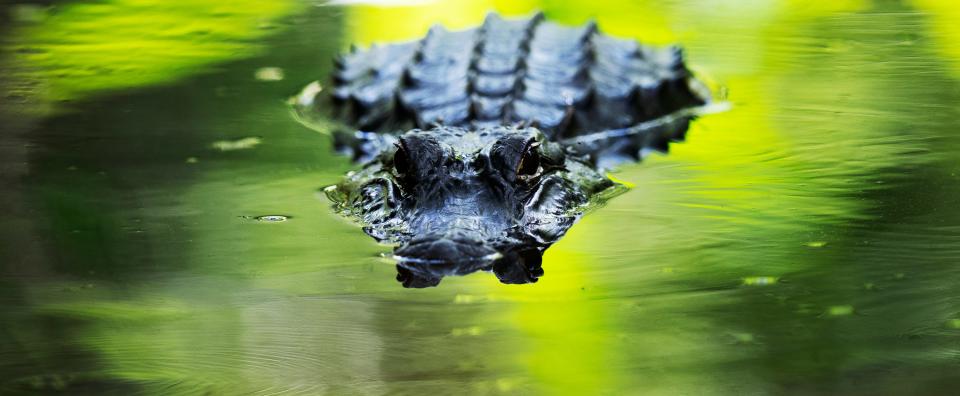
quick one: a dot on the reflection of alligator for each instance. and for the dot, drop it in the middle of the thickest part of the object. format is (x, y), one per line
(516, 121)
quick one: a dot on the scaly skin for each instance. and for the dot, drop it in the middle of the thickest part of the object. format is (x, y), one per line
(482, 147)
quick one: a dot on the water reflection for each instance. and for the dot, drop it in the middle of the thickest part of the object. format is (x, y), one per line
(127, 269)
(514, 266)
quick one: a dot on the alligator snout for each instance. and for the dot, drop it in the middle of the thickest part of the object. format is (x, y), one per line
(447, 254)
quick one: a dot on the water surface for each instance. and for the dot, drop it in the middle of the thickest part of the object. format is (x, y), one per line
(805, 242)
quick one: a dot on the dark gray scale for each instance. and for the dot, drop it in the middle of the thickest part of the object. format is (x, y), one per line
(614, 82)
(489, 108)
(495, 85)
(566, 81)
(630, 81)
(672, 90)
(436, 86)
(498, 66)
(366, 82)
(556, 79)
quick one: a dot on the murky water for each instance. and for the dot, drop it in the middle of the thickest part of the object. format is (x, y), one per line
(162, 231)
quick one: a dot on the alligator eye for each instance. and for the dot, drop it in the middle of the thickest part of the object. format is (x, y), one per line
(529, 164)
(401, 161)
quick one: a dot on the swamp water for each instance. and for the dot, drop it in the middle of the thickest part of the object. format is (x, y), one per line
(162, 231)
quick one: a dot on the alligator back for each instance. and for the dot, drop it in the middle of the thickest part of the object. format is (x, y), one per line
(566, 81)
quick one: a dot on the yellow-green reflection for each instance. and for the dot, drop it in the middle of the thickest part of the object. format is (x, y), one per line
(944, 27)
(744, 173)
(805, 238)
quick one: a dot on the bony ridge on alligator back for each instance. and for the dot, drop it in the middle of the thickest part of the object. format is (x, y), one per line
(480, 148)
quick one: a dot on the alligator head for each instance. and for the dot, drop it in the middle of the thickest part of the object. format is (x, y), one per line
(474, 188)
(455, 200)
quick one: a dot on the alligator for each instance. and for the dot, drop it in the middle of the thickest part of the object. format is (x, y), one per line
(480, 148)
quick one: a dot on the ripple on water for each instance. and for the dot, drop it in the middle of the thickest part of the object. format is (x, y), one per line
(237, 144)
(268, 218)
(760, 280)
(269, 74)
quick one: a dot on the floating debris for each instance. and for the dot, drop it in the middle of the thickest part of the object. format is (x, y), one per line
(464, 299)
(238, 144)
(191, 160)
(307, 95)
(760, 280)
(743, 338)
(268, 218)
(269, 74)
(840, 310)
(467, 331)
(272, 218)
(954, 324)
(816, 244)
(723, 93)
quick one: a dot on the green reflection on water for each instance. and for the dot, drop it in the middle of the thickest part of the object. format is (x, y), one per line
(65, 51)
(803, 242)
